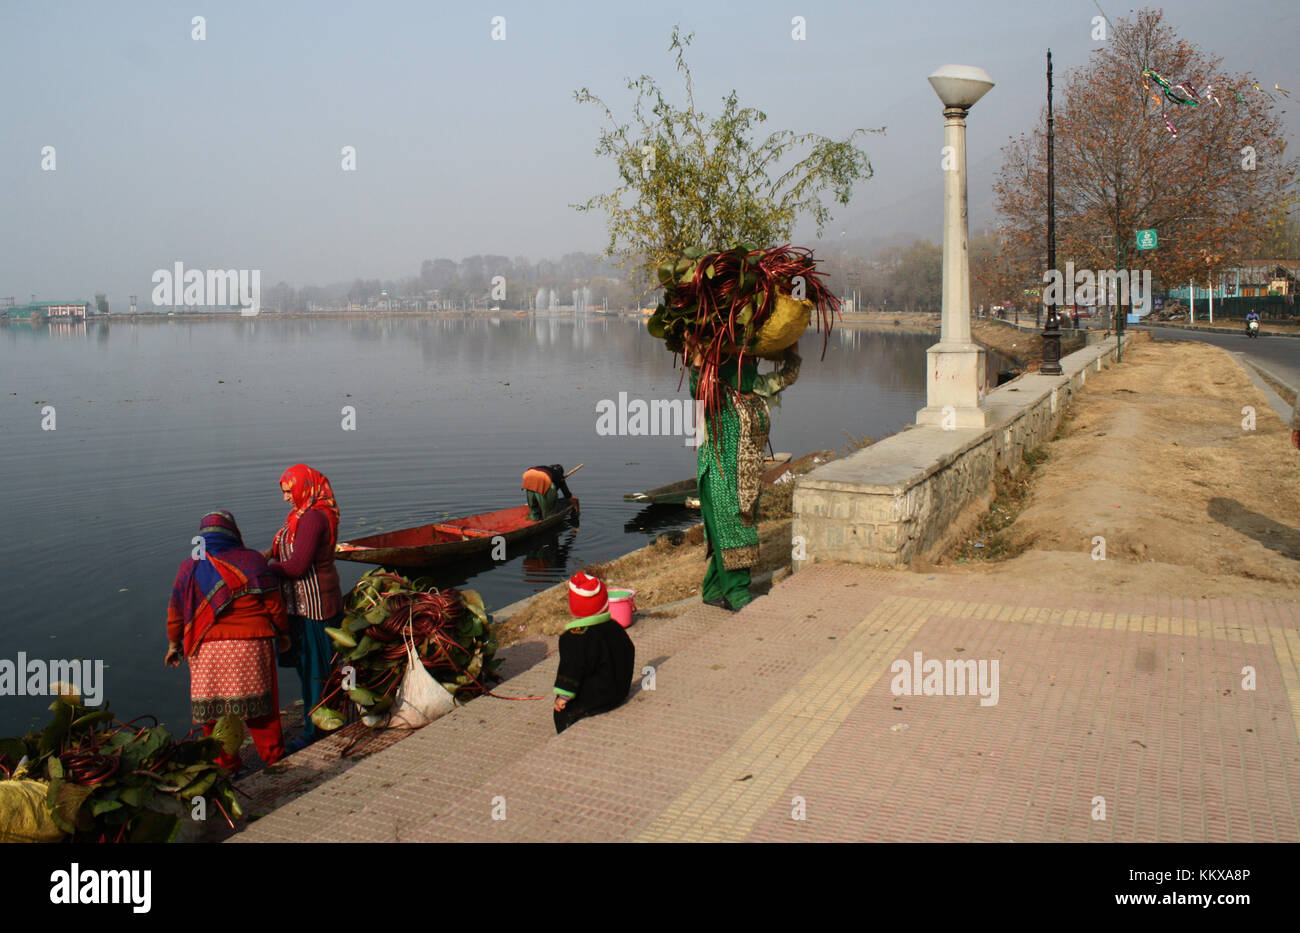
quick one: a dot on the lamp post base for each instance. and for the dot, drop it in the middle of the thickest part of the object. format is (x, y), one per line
(1051, 345)
(955, 383)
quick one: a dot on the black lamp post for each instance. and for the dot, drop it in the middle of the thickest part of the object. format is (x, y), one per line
(1052, 323)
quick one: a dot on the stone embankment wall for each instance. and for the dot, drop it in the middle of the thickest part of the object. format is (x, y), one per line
(906, 495)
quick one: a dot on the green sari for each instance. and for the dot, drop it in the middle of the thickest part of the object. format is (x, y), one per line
(728, 467)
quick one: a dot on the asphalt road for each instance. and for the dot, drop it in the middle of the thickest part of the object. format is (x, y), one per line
(1279, 355)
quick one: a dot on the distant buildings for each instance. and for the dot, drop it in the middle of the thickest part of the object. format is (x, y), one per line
(1260, 277)
(54, 310)
(1251, 278)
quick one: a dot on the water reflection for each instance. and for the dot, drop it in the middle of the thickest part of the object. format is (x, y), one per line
(656, 518)
(174, 416)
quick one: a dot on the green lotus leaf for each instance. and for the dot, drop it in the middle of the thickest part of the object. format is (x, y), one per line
(340, 637)
(135, 796)
(92, 719)
(200, 786)
(227, 796)
(363, 648)
(362, 697)
(53, 735)
(145, 748)
(356, 623)
(469, 629)
(472, 601)
(100, 807)
(229, 731)
(153, 826)
(327, 719)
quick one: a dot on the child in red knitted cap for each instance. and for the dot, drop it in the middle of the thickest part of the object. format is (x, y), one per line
(596, 656)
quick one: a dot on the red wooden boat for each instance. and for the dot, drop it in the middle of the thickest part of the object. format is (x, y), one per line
(451, 540)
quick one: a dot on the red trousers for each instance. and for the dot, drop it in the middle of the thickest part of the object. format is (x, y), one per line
(267, 735)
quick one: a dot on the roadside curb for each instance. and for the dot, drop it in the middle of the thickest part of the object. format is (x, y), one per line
(1275, 401)
(1275, 377)
(1205, 328)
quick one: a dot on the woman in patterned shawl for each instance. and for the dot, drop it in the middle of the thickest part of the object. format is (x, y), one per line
(303, 553)
(728, 467)
(227, 619)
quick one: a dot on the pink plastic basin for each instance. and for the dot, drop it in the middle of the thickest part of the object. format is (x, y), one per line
(622, 604)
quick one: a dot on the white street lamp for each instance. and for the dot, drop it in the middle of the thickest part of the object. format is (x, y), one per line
(955, 374)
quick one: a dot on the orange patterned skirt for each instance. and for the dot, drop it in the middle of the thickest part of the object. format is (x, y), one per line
(233, 676)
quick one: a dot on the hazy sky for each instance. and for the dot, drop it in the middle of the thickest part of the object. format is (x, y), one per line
(226, 152)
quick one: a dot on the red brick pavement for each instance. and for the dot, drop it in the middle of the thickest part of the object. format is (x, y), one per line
(779, 723)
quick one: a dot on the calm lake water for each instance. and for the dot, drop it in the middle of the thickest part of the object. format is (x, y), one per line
(158, 423)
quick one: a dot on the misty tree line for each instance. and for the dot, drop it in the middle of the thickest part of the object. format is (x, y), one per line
(897, 277)
(469, 283)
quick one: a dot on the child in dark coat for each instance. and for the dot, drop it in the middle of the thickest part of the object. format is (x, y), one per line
(596, 656)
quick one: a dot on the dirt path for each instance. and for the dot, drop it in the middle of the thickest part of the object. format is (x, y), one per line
(1153, 458)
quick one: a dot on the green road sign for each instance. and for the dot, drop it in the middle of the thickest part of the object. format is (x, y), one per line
(1146, 239)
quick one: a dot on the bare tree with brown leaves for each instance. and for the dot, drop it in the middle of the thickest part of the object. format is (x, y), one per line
(1212, 186)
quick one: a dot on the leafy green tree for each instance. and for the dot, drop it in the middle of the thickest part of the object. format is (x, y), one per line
(691, 180)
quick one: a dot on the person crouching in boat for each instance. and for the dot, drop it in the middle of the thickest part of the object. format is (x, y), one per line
(227, 619)
(303, 552)
(729, 468)
(540, 485)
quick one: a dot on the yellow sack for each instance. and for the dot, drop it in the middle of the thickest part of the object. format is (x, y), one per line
(782, 329)
(23, 814)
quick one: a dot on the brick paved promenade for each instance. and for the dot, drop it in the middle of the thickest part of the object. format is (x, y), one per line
(786, 710)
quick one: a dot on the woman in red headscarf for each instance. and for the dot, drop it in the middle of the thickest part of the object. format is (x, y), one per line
(303, 556)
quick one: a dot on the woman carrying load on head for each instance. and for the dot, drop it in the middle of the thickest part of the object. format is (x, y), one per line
(303, 555)
(729, 465)
(227, 619)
